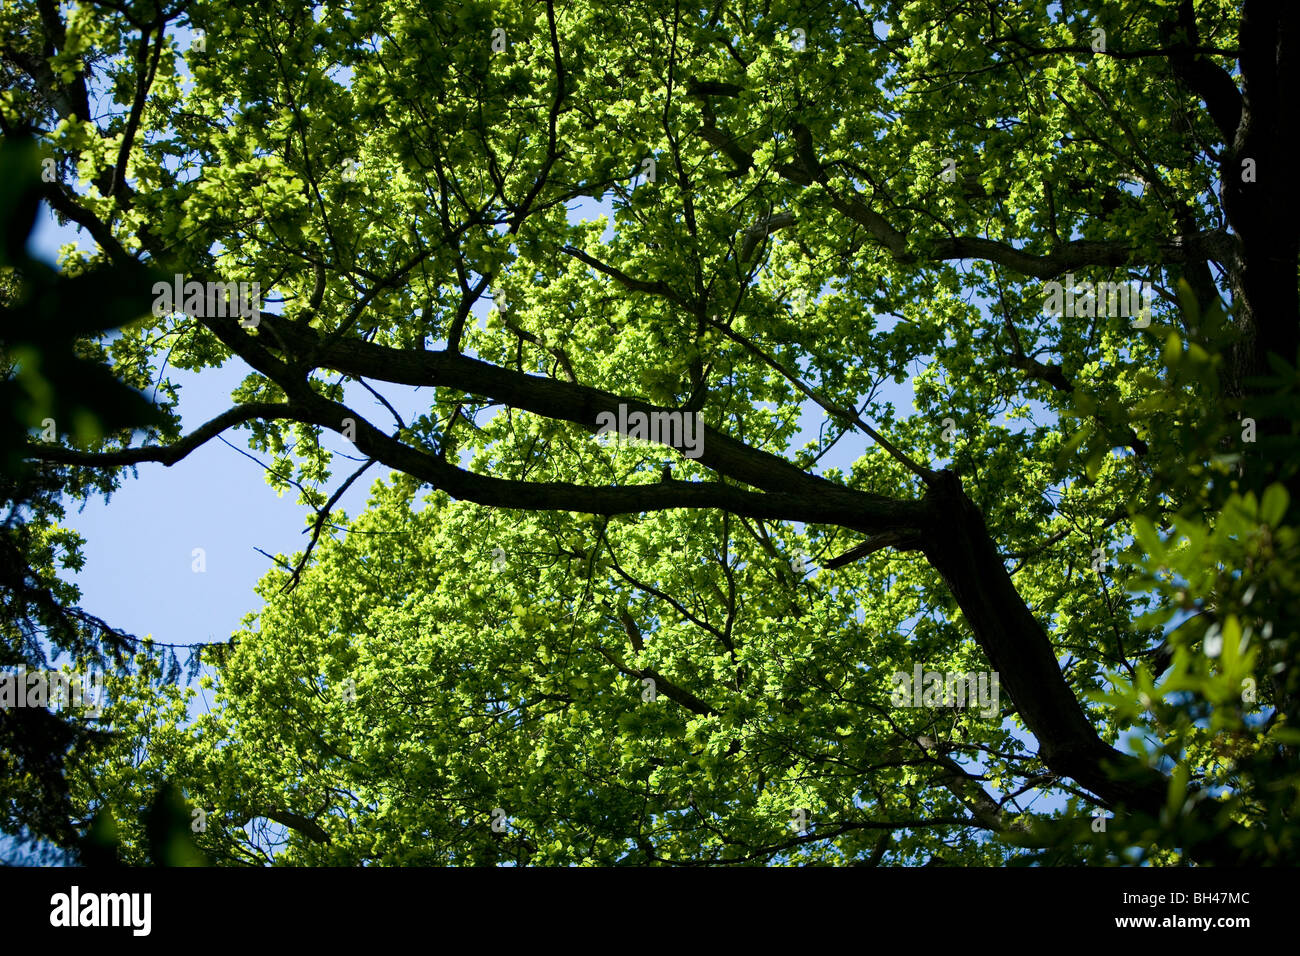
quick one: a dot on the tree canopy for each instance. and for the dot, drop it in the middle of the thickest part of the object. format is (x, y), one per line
(1029, 271)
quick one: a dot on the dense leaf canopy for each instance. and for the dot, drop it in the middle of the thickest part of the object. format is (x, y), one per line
(833, 233)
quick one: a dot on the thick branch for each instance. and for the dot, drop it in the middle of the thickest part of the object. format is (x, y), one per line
(580, 404)
(294, 821)
(959, 547)
(1205, 78)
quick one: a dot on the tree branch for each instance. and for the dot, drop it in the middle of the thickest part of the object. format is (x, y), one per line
(166, 454)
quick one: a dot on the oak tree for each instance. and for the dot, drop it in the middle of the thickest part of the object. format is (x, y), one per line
(541, 645)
